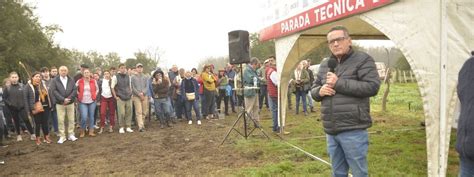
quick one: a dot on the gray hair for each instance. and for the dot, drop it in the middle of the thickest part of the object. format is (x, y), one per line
(254, 61)
(340, 27)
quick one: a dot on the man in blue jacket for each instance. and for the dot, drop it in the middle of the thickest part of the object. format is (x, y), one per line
(465, 135)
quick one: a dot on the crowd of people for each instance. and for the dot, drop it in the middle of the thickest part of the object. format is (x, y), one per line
(93, 100)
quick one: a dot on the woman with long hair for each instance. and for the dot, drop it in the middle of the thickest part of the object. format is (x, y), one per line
(107, 101)
(299, 82)
(87, 90)
(37, 93)
(222, 82)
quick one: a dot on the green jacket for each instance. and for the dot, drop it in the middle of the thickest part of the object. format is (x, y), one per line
(305, 81)
(261, 75)
(249, 74)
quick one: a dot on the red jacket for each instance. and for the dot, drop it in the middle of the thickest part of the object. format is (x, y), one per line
(271, 87)
(80, 89)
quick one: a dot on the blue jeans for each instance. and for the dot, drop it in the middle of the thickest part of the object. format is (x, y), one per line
(309, 99)
(189, 105)
(163, 109)
(179, 108)
(274, 107)
(466, 167)
(348, 150)
(87, 111)
(263, 95)
(300, 94)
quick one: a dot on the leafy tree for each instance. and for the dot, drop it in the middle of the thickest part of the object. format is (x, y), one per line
(259, 49)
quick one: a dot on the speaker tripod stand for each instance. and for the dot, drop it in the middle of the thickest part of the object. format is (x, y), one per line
(244, 115)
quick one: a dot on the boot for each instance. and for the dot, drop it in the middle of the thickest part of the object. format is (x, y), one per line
(101, 130)
(91, 132)
(83, 133)
(38, 141)
(111, 129)
(168, 124)
(47, 140)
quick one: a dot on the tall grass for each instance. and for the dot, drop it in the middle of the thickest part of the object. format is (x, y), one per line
(397, 141)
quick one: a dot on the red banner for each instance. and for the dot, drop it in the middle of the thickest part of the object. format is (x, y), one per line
(319, 15)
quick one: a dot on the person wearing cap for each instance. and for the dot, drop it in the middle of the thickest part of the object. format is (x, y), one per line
(272, 89)
(140, 96)
(159, 87)
(122, 91)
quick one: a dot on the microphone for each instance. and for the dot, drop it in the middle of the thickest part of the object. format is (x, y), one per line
(332, 63)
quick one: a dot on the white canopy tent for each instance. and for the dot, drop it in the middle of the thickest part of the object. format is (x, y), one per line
(434, 35)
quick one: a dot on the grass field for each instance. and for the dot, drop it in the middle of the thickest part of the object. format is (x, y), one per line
(397, 141)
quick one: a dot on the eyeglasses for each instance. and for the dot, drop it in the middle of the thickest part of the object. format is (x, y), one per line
(338, 40)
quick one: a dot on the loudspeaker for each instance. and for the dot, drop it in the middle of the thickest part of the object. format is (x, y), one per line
(239, 47)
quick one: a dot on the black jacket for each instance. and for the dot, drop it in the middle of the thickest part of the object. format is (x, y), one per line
(30, 97)
(465, 134)
(14, 96)
(60, 93)
(349, 109)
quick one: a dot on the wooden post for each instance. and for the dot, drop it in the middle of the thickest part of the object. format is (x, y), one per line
(412, 77)
(404, 76)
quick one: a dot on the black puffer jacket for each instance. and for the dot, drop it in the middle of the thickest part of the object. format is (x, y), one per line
(465, 134)
(349, 109)
(14, 96)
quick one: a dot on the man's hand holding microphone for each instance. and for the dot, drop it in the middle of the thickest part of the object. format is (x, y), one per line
(331, 79)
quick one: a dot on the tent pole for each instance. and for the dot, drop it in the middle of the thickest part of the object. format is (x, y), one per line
(443, 91)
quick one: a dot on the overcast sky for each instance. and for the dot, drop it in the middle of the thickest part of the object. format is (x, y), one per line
(186, 31)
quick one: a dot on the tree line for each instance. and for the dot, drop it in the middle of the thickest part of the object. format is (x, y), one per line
(24, 39)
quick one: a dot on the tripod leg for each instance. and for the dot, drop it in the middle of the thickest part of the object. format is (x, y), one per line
(232, 128)
(256, 125)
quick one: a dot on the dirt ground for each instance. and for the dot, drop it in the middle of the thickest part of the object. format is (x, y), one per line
(182, 150)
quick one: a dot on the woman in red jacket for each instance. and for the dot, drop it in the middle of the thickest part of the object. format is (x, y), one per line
(87, 90)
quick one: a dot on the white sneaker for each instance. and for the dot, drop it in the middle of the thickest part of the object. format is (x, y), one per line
(33, 137)
(18, 138)
(129, 130)
(72, 138)
(121, 130)
(190, 122)
(61, 140)
(199, 122)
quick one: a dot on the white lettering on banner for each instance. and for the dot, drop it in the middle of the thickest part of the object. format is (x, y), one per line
(295, 23)
(324, 13)
(336, 8)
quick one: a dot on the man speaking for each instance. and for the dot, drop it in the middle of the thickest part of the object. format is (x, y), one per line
(344, 85)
